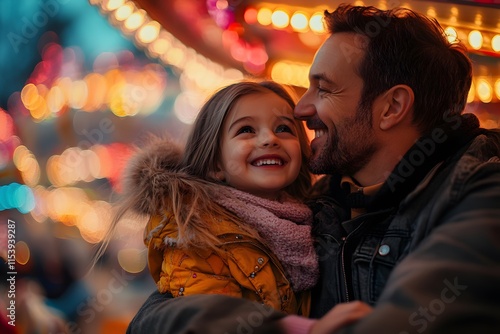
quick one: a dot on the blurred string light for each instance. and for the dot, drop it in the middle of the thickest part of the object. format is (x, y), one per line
(27, 164)
(156, 41)
(221, 11)
(291, 72)
(22, 252)
(484, 90)
(252, 55)
(16, 196)
(132, 260)
(6, 126)
(8, 140)
(495, 43)
(472, 93)
(126, 92)
(280, 19)
(497, 88)
(316, 23)
(294, 73)
(69, 205)
(475, 39)
(299, 21)
(451, 34)
(264, 16)
(98, 162)
(199, 75)
(304, 20)
(307, 22)
(94, 220)
(73, 207)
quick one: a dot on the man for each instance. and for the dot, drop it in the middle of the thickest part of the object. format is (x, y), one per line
(408, 221)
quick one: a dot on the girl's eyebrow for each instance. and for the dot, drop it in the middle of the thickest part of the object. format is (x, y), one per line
(239, 120)
(286, 118)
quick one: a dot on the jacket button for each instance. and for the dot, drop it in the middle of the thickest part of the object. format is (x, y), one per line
(260, 260)
(239, 236)
(256, 267)
(383, 250)
(252, 275)
(181, 289)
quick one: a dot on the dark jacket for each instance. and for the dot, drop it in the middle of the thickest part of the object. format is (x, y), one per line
(426, 254)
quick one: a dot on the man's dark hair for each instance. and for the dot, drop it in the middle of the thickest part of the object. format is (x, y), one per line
(404, 47)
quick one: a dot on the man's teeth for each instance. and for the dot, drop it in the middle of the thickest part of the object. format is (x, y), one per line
(269, 162)
(319, 133)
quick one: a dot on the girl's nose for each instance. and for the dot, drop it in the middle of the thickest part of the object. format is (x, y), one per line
(268, 139)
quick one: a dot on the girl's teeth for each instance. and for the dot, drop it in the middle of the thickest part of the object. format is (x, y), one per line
(268, 162)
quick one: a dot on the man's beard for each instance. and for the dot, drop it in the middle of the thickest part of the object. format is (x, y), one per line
(348, 149)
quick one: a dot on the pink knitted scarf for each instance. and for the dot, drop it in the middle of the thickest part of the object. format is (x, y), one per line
(286, 228)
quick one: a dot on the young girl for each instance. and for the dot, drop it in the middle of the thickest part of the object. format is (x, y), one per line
(226, 213)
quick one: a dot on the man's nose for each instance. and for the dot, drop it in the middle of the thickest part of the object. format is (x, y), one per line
(304, 109)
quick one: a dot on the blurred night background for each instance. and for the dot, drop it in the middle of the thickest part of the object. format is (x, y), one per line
(84, 81)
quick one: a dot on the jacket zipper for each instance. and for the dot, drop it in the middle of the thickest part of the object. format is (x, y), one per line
(342, 253)
(343, 269)
(343, 240)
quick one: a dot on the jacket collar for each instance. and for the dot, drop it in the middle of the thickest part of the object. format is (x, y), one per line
(437, 146)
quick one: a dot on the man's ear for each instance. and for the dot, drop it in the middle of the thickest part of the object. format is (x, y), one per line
(397, 106)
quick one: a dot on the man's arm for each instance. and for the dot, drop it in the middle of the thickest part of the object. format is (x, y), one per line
(204, 314)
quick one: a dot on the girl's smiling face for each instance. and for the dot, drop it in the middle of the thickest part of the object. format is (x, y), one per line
(260, 151)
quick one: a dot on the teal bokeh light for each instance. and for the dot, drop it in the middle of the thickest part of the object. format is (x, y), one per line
(17, 196)
(24, 198)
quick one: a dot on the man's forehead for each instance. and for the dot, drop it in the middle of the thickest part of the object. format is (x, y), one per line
(340, 49)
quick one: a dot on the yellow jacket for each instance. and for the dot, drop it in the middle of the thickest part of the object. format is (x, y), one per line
(243, 268)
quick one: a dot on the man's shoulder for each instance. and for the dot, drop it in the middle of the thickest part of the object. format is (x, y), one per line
(486, 145)
(483, 149)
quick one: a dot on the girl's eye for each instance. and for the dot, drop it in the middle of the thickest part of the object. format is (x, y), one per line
(245, 129)
(283, 128)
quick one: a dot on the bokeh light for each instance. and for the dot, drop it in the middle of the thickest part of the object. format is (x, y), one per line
(299, 21)
(316, 23)
(280, 19)
(264, 16)
(16, 196)
(22, 252)
(475, 39)
(132, 260)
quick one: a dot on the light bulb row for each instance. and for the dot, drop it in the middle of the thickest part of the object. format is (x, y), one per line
(304, 20)
(158, 43)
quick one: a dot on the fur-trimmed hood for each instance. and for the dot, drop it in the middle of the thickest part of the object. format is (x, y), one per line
(150, 174)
